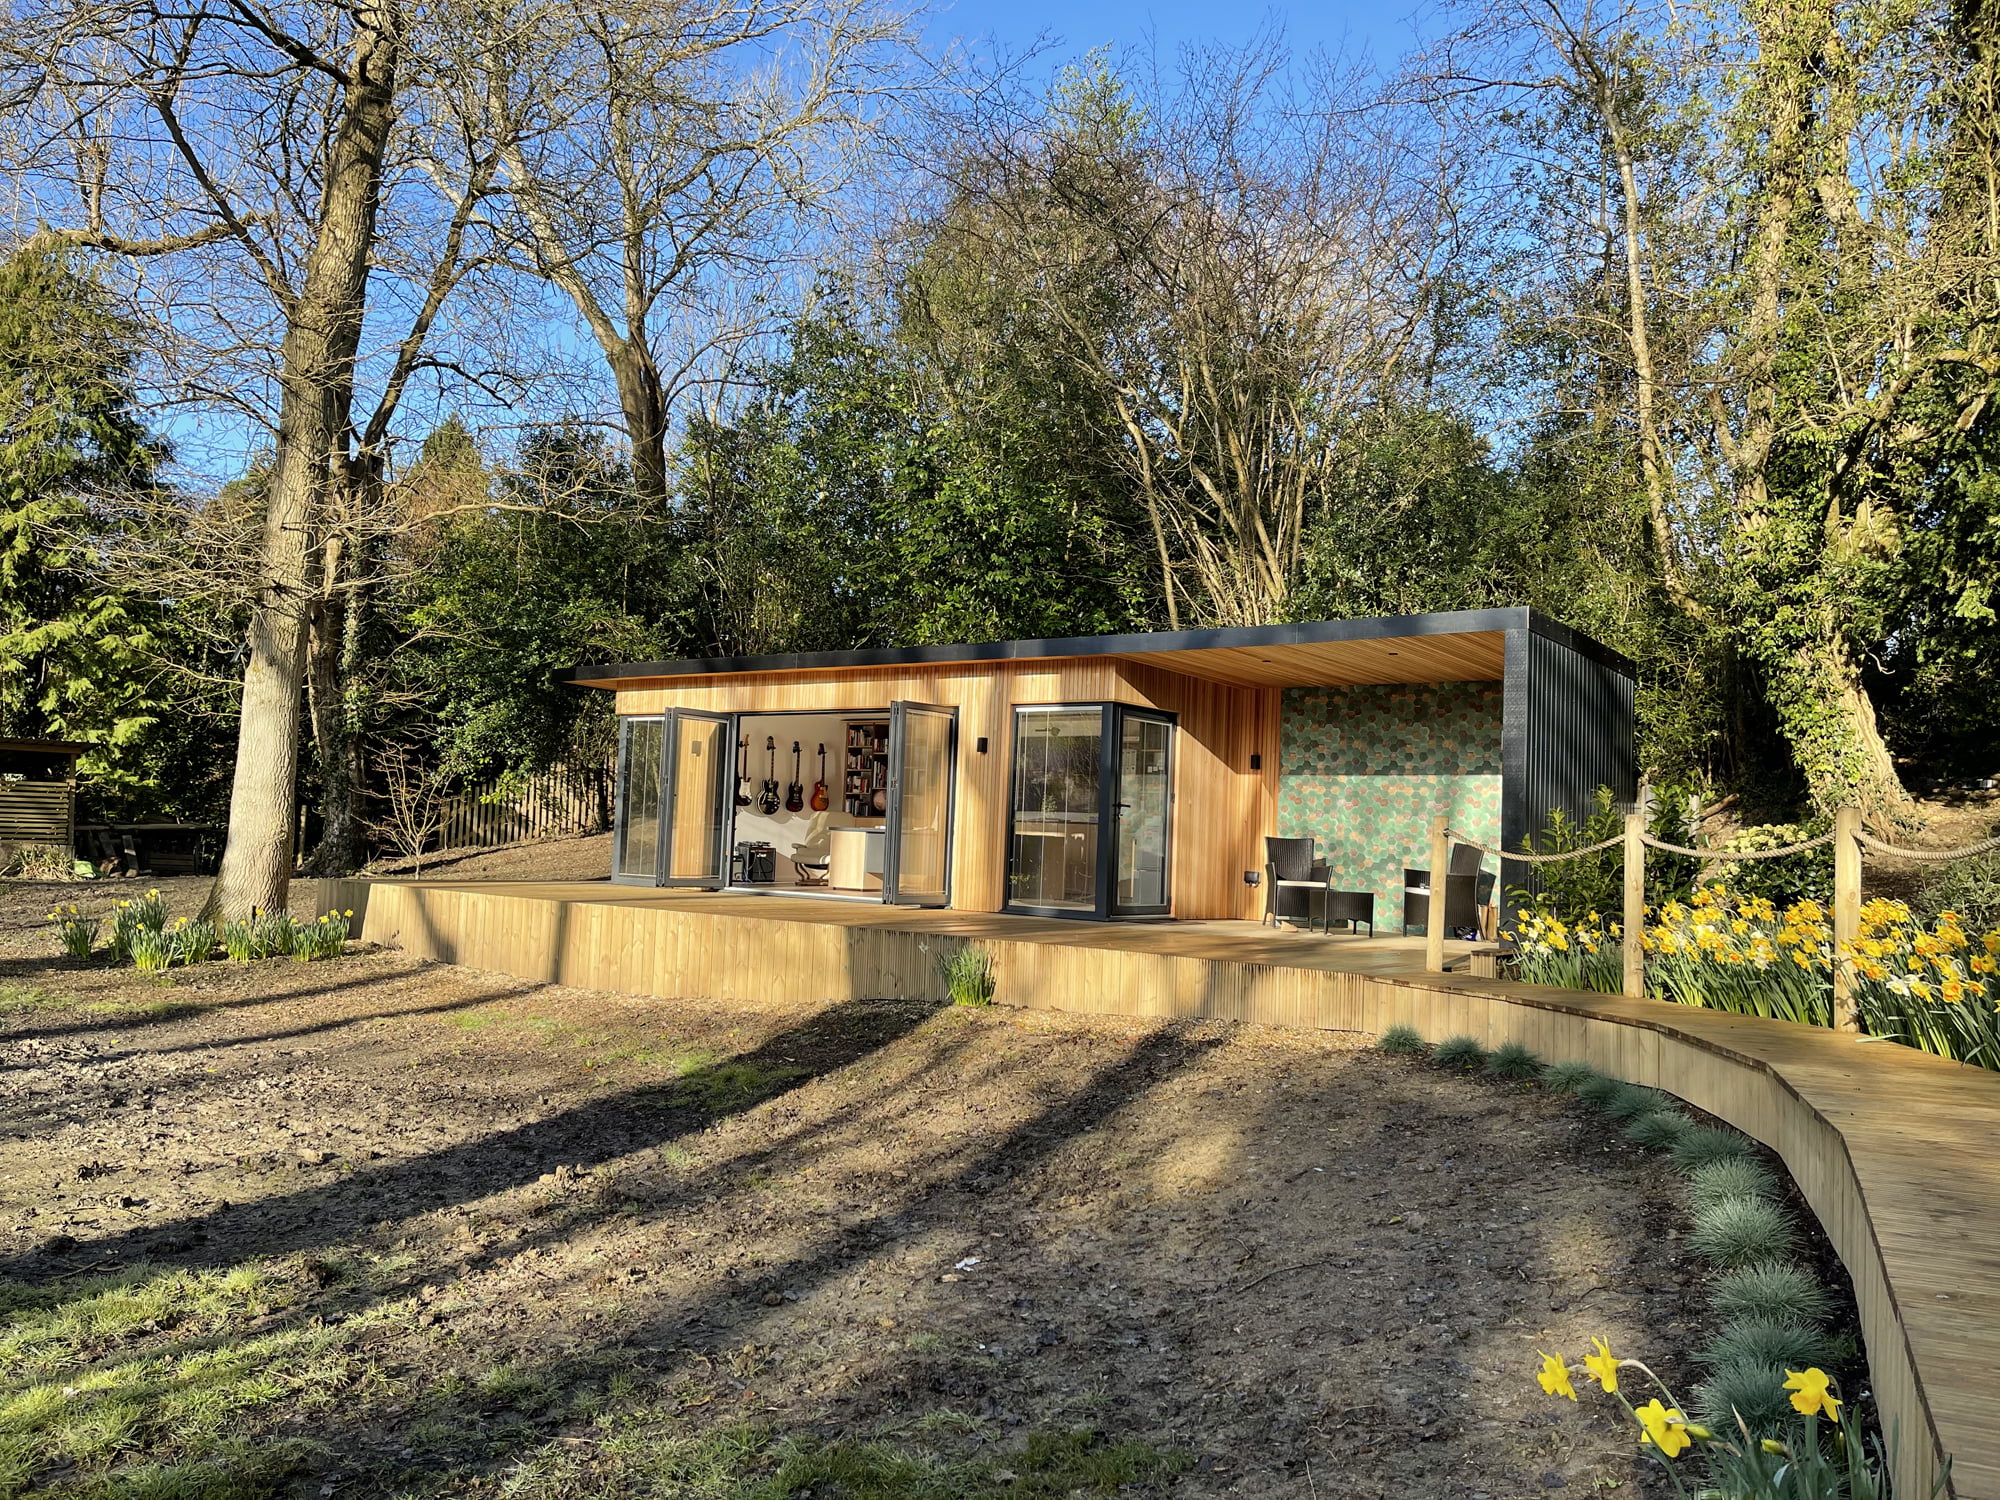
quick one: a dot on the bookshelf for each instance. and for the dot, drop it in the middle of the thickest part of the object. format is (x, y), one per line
(865, 770)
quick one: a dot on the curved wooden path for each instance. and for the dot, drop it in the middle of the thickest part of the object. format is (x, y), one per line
(1897, 1152)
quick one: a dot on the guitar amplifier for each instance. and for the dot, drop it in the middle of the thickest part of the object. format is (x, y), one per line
(756, 864)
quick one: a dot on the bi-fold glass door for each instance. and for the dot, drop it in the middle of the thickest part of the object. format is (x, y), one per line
(674, 782)
(1091, 811)
(916, 859)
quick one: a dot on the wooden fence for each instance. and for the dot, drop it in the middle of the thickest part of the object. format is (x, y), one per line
(563, 799)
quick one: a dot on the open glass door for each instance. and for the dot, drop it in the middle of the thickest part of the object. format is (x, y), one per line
(698, 779)
(636, 857)
(917, 853)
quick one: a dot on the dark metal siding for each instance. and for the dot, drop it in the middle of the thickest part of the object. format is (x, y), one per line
(1566, 729)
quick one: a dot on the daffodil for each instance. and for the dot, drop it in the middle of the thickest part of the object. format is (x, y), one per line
(1666, 1428)
(1812, 1393)
(1554, 1376)
(1603, 1366)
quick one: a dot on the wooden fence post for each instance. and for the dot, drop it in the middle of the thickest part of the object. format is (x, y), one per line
(1846, 914)
(1634, 925)
(1440, 883)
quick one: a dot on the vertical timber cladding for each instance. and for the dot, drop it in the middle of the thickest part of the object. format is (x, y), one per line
(1567, 728)
(1222, 809)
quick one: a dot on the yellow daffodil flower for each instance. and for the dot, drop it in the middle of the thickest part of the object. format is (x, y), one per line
(1812, 1395)
(1554, 1376)
(1666, 1429)
(1603, 1366)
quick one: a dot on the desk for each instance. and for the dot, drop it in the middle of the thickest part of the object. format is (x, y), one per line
(855, 858)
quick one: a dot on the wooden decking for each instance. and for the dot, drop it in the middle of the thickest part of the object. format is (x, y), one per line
(1895, 1150)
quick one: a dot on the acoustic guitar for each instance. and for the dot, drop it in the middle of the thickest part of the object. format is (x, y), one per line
(767, 799)
(795, 794)
(819, 797)
(743, 772)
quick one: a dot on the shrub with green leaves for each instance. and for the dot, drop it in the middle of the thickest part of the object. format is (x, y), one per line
(1401, 1041)
(1512, 1060)
(1773, 1290)
(1458, 1052)
(1658, 1128)
(1969, 887)
(1736, 1177)
(1742, 1232)
(967, 975)
(1569, 1077)
(1703, 1144)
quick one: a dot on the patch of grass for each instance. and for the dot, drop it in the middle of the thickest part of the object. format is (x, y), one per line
(1709, 1143)
(1630, 1100)
(1775, 1291)
(1754, 1391)
(1512, 1060)
(1569, 1077)
(1401, 1041)
(15, 999)
(725, 1087)
(1658, 1128)
(1737, 1177)
(1741, 1232)
(967, 976)
(1460, 1052)
(1767, 1341)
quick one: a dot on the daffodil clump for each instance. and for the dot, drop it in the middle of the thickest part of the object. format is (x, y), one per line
(78, 932)
(129, 918)
(1822, 1455)
(1585, 955)
(1742, 954)
(322, 939)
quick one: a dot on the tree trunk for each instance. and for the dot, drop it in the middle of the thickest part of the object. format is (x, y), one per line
(644, 407)
(322, 335)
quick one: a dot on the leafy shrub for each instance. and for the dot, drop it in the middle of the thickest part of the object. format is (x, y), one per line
(1458, 1052)
(1793, 877)
(967, 976)
(1512, 1060)
(1658, 1128)
(78, 932)
(1742, 1232)
(1630, 1100)
(1568, 1077)
(1970, 888)
(1575, 890)
(1401, 1041)
(1756, 1392)
(1767, 1341)
(1703, 1144)
(322, 939)
(1734, 1177)
(1773, 1290)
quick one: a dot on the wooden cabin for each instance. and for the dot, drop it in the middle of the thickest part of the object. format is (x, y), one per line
(38, 795)
(1121, 776)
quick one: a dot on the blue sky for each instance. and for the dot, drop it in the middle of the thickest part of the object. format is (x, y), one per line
(1382, 30)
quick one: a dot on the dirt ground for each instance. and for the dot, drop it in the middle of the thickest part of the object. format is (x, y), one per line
(581, 857)
(377, 1227)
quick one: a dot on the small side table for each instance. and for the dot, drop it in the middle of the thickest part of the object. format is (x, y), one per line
(1355, 908)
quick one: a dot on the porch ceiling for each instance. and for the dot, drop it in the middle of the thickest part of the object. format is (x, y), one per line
(1476, 656)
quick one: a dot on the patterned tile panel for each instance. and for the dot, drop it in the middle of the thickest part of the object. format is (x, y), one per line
(1363, 770)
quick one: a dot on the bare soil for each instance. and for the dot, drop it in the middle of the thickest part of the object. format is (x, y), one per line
(577, 857)
(509, 1231)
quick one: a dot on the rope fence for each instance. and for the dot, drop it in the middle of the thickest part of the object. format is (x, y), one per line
(1847, 837)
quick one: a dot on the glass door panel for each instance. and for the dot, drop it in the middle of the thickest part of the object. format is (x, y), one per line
(1058, 784)
(637, 857)
(1145, 796)
(917, 835)
(699, 781)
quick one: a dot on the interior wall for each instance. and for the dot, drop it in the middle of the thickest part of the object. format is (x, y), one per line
(786, 831)
(1365, 769)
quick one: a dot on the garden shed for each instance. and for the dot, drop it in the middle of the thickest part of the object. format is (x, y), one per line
(37, 795)
(1119, 776)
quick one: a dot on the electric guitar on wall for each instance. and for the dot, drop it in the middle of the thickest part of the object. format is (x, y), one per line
(795, 794)
(767, 799)
(820, 800)
(743, 772)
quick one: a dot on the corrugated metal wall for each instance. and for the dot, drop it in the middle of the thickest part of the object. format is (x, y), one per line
(1567, 729)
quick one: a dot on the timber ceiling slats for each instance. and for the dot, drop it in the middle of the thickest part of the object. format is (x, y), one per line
(1479, 657)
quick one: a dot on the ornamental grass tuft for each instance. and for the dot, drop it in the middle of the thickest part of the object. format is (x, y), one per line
(1767, 1341)
(1401, 1041)
(1458, 1052)
(1598, 1089)
(1742, 1232)
(1569, 1077)
(1738, 1177)
(1630, 1100)
(1745, 1388)
(1709, 1143)
(1658, 1128)
(1773, 1290)
(1512, 1060)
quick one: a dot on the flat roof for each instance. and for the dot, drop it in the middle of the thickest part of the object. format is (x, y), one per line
(1456, 646)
